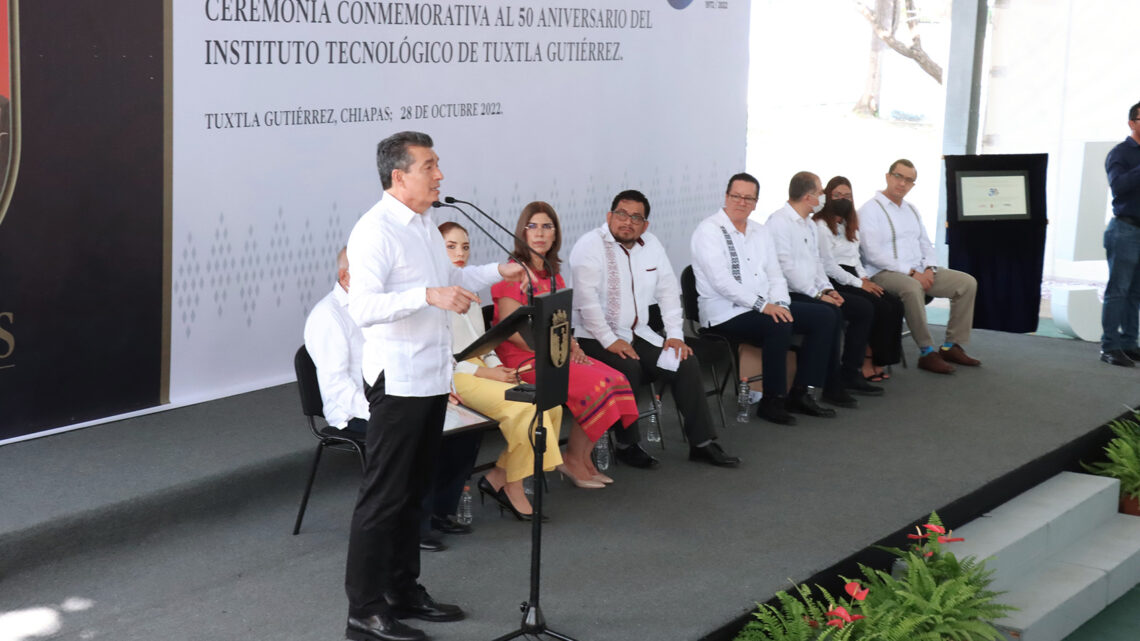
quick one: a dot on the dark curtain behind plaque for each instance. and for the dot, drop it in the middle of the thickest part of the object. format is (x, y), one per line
(1006, 256)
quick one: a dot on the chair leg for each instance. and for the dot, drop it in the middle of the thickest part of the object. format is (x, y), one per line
(719, 397)
(360, 454)
(308, 489)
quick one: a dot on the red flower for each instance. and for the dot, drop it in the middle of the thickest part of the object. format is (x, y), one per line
(856, 617)
(930, 553)
(840, 612)
(946, 539)
(918, 536)
(836, 622)
(935, 528)
(853, 590)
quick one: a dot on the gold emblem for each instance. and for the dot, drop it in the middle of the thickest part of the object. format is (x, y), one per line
(559, 338)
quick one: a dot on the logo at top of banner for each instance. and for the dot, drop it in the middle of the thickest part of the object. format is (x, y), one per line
(680, 4)
(9, 101)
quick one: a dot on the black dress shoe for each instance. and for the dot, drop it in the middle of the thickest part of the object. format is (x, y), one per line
(383, 627)
(803, 403)
(634, 456)
(774, 409)
(430, 544)
(1117, 357)
(448, 525)
(1132, 354)
(418, 604)
(840, 397)
(859, 385)
(712, 453)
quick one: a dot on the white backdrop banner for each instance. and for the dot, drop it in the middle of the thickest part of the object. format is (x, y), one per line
(279, 104)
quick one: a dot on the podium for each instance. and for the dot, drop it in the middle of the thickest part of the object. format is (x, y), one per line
(545, 326)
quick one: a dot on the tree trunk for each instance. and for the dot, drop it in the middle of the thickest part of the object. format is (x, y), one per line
(868, 105)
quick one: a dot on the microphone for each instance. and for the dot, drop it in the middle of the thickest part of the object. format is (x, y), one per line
(450, 200)
(530, 289)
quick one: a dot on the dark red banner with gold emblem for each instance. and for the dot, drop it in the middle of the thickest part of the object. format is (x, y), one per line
(81, 211)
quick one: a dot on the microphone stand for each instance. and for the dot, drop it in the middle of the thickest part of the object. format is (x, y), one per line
(530, 283)
(533, 621)
(549, 271)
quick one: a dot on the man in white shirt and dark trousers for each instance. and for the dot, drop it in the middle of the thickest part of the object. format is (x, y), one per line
(743, 295)
(402, 292)
(336, 345)
(797, 246)
(619, 271)
(900, 258)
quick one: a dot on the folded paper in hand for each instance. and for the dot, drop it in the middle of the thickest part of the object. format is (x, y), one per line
(670, 360)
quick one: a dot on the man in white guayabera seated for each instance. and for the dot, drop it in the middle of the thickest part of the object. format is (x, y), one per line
(900, 258)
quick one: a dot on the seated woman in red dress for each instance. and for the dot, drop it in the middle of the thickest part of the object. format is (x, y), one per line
(598, 396)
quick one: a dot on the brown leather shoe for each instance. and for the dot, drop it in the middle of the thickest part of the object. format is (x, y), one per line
(958, 355)
(933, 362)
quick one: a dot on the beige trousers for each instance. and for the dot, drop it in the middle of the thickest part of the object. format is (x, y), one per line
(959, 287)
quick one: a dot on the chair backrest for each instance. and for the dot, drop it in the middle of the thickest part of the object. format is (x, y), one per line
(488, 314)
(689, 306)
(310, 390)
(656, 322)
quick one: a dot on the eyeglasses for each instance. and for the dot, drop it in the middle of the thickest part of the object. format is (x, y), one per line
(543, 226)
(623, 216)
(743, 199)
(906, 179)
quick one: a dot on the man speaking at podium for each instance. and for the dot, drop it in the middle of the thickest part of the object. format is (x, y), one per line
(403, 287)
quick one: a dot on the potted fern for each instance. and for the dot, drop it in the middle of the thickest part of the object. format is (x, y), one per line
(1122, 455)
(932, 596)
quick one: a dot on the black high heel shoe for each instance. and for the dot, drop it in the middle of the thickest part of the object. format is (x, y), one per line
(504, 501)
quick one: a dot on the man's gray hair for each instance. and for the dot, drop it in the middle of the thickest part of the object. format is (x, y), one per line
(392, 153)
(802, 184)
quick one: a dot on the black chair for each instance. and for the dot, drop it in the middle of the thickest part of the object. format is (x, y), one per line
(708, 345)
(313, 407)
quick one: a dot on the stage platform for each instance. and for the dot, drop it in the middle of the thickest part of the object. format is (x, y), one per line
(176, 525)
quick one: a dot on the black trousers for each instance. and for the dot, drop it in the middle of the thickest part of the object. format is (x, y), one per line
(457, 456)
(685, 384)
(885, 337)
(856, 315)
(400, 453)
(816, 324)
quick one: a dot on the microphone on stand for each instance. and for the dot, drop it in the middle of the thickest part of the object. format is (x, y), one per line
(530, 289)
(549, 271)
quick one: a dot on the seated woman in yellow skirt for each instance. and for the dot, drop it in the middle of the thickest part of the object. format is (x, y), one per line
(481, 384)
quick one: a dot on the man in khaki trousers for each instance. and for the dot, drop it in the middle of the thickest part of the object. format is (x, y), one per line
(900, 258)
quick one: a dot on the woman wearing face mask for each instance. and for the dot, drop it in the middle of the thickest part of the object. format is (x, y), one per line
(481, 382)
(598, 396)
(839, 249)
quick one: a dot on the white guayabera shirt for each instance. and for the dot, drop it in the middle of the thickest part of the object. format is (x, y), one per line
(735, 272)
(614, 287)
(394, 255)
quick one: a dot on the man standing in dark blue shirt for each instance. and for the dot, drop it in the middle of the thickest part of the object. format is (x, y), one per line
(1121, 312)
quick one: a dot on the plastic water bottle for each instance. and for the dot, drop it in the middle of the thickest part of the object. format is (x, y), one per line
(463, 513)
(602, 453)
(742, 401)
(653, 432)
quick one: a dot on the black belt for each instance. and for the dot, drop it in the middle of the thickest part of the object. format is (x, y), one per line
(1129, 220)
